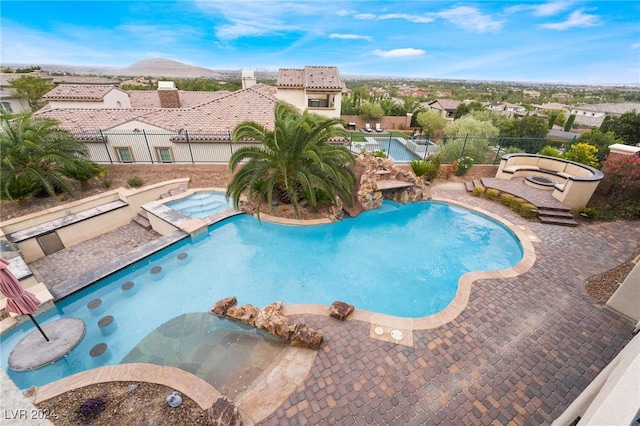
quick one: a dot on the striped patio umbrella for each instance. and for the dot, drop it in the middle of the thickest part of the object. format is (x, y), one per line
(19, 301)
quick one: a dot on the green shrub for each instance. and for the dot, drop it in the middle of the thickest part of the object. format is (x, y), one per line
(478, 191)
(380, 153)
(507, 199)
(491, 194)
(527, 210)
(588, 212)
(135, 181)
(550, 151)
(106, 182)
(419, 167)
(464, 164)
(17, 188)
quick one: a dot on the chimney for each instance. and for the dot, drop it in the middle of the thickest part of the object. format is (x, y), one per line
(248, 79)
(168, 94)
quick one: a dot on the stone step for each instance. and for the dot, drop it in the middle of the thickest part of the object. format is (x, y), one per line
(554, 220)
(142, 221)
(555, 213)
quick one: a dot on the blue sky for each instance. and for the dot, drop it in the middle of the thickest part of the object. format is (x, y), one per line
(588, 42)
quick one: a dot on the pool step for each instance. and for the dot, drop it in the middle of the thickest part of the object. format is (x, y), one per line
(556, 217)
(142, 219)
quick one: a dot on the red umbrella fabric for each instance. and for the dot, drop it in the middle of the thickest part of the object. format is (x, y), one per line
(19, 301)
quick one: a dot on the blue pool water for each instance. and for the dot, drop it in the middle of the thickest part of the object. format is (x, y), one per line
(402, 260)
(200, 204)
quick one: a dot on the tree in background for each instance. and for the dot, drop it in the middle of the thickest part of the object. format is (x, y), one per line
(431, 121)
(372, 110)
(626, 127)
(528, 126)
(465, 108)
(295, 162)
(31, 88)
(556, 117)
(35, 154)
(601, 141)
(493, 117)
(468, 137)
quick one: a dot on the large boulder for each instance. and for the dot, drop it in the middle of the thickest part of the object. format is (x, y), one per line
(224, 413)
(245, 314)
(221, 306)
(306, 337)
(340, 310)
(271, 319)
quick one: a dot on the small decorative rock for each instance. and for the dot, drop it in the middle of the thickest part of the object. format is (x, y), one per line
(224, 413)
(306, 337)
(174, 400)
(221, 306)
(340, 310)
(245, 314)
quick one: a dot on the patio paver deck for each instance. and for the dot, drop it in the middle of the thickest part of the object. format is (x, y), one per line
(522, 350)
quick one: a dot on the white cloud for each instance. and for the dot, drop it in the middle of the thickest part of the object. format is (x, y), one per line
(545, 9)
(408, 52)
(576, 19)
(351, 37)
(635, 46)
(470, 19)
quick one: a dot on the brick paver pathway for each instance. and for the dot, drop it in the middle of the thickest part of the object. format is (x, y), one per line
(71, 262)
(519, 354)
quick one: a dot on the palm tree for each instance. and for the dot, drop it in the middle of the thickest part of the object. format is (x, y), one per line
(34, 154)
(295, 162)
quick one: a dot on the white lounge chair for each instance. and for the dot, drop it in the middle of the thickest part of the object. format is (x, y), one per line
(367, 127)
(378, 128)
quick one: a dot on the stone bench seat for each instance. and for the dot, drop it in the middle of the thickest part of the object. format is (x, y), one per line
(53, 225)
(575, 182)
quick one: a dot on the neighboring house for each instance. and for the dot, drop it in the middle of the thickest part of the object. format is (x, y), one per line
(550, 106)
(593, 115)
(85, 96)
(167, 133)
(446, 106)
(508, 109)
(315, 88)
(12, 104)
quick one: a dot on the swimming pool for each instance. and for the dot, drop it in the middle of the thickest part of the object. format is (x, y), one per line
(401, 260)
(200, 204)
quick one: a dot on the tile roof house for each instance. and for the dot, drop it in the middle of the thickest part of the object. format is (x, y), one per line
(446, 106)
(170, 125)
(165, 134)
(85, 96)
(593, 115)
(315, 88)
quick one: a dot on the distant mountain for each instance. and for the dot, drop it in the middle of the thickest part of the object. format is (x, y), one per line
(160, 67)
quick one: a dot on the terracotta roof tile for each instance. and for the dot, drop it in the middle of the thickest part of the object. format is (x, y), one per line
(289, 77)
(150, 98)
(220, 115)
(91, 119)
(311, 77)
(75, 92)
(322, 77)
(82, 79)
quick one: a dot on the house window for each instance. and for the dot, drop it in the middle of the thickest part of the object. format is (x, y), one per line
(164, 155)
(6, 106)
(320, 101)
(124, 154)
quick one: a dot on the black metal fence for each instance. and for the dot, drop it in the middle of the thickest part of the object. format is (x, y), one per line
(151, 147)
